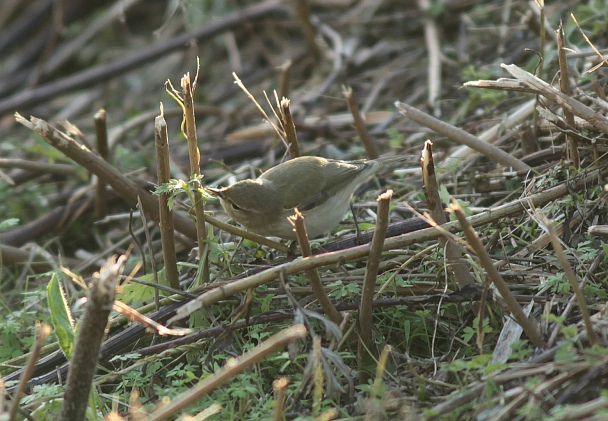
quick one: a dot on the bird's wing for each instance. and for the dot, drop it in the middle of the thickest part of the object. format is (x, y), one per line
(337, 178)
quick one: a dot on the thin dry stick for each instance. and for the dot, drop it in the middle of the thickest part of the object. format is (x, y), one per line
(260, 239)
(313, 275)
(433, 47)
(485, 260)
(370, 147)
(259, 107)
(101, 136)
(463, 137)
(195, 172)
(166, 216)
(232, 367)
(45, 167)
(90, 335)
(289, 128)
(572, 278)
(42, 332)
(453, 251)
(564, 85)
(359, 252)
(364, 354)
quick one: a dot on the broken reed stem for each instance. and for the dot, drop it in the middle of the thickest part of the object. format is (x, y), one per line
(572, 278)
(90, 335)
(42, 332)
(315, 281)
(564, 86)
(289, 128)
(280, 390)
(366, 346)
(101, 138)
(485, 260)
(370, 147)
(232, 367)
(166, 216)
(453, 251)
(195, 172)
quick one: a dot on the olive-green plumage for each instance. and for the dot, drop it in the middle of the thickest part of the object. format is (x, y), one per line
(320, 188)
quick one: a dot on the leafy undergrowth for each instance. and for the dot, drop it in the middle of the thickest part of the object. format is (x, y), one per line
(442, 348)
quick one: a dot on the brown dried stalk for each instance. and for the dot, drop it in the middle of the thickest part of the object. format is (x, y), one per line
(195, 172)
(101, 137)
(368, 144)
(42, 332)
(564, 85)
(315, 281)
(166, 216)
(280, 389)
(366, 353)
(495, 276)
(453, 251)
(90, 335)
(289, 128)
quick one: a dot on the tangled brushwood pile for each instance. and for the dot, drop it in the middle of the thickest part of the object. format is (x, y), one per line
(479, 294)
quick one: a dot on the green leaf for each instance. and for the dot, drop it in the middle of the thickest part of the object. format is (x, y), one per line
(8, 223)
(136, 294)
(61, 316)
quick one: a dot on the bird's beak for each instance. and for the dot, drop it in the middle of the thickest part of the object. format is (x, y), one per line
(217, 192)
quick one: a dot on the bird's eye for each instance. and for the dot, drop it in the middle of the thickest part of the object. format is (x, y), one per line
(235, 207)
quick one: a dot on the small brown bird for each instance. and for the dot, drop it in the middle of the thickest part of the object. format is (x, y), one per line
(320, 188)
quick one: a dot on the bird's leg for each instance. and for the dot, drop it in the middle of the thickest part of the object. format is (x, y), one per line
(358, 231)
(291, 251)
